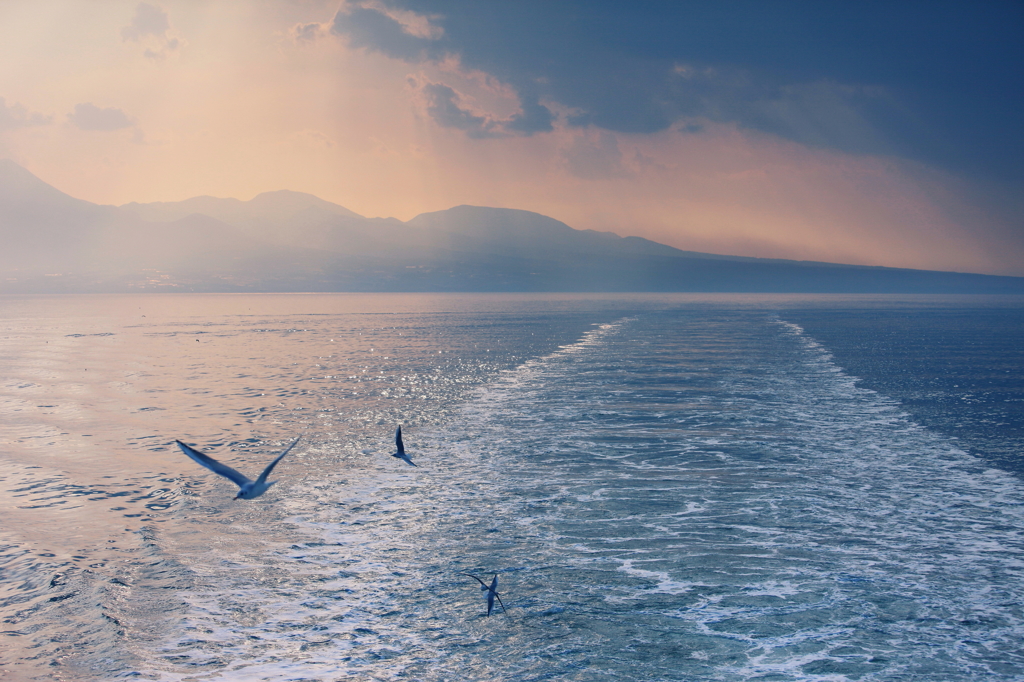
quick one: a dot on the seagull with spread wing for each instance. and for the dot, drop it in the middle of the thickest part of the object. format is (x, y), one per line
(401, 447)
(247, 489)
(491, 590)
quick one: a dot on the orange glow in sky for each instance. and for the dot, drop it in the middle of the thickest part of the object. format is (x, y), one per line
(114, 102)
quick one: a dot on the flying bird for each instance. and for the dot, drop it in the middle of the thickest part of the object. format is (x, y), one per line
(247, 489)
(491, 590)
(401, 447)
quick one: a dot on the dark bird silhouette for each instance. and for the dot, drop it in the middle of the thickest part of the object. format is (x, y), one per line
(401, 447)
(247, 489)
(491, 590)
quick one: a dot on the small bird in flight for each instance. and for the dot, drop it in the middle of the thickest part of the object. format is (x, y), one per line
(401, 447)
(247, 489)
(491, 590)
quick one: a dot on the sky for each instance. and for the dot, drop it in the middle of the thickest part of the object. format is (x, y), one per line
(877, 133)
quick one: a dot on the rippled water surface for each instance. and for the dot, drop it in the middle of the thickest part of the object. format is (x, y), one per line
(667, 487)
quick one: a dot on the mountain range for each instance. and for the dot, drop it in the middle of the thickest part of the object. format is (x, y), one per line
(291, 241)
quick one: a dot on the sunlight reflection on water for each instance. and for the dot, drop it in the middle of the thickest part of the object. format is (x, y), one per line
(698, 494)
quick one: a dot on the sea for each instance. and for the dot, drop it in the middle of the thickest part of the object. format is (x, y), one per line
(667, 487)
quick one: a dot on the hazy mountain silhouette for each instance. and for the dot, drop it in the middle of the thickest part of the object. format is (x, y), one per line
(40, 226)
(268, 206)
(291, 241)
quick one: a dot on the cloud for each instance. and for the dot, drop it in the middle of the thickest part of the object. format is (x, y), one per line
(443, 107)
(308, 33)
(940, 85)
(148, 21)
(413, 37)
(534, 118)
(152, 25)
(88, 116)
(17, 116)
(447, 107)
(371, 28)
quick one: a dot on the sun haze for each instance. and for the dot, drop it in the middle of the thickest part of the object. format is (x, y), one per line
(867, 133)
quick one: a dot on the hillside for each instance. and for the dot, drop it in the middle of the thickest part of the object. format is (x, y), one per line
(291, 241)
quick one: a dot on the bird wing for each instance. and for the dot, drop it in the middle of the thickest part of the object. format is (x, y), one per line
(213, 465)
(500, 602)
(405, 457)
(398, 441)
(476, 579)
(493, 590)
(270, 467)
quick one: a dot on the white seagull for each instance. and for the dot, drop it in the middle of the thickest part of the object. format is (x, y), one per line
(401, 447)
(247, 489)
(491, 590)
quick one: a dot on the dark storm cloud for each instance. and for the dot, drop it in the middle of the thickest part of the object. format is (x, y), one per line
(940, 82)
(88, 116)
(443, 107)
(374, 30)
(535, 117)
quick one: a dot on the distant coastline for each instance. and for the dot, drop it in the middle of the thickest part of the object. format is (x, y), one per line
(293, 242)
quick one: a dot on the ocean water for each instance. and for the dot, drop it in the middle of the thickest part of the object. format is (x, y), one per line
(668, 487)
